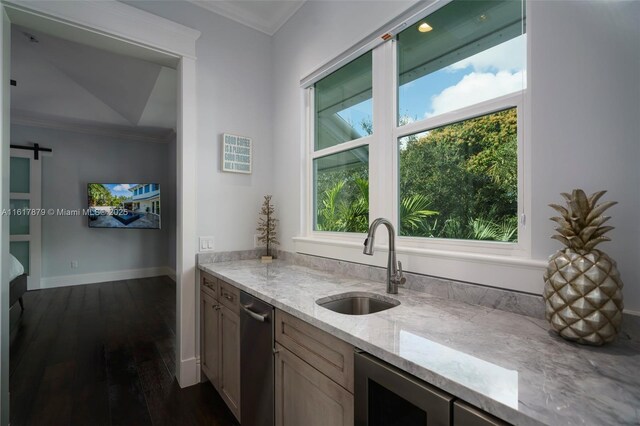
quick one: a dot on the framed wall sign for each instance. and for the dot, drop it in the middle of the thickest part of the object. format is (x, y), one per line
(236, 154)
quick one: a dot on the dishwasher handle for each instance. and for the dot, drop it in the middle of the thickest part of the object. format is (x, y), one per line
(256, 316)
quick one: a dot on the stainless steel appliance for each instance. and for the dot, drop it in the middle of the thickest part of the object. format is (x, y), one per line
(387, 396)
(256, 361)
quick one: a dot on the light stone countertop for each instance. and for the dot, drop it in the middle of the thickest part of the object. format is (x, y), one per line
(507, 364)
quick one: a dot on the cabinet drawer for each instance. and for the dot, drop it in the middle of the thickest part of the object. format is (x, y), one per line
(326, 353)
(229, 296)
(209, 284)
(468, 415)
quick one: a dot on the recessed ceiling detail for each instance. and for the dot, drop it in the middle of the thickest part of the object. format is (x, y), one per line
(73, 82)
(266, 16)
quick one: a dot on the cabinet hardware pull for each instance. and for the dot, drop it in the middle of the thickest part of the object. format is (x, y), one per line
(254, 315)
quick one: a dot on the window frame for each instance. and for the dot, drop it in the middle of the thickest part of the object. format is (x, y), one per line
(512, 100)
(310, 212)
(384, 167)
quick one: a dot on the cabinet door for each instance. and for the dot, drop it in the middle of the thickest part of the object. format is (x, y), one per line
(304, 396)
(326, 353)
(209, 338)
(230, 359)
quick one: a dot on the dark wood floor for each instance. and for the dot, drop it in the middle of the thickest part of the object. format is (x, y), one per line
(103, 354)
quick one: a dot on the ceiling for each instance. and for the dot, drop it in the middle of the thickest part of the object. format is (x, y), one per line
(263, 15)
(63, 82)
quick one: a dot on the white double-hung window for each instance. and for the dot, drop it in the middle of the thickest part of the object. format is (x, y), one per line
(426, 128)
(342, 129)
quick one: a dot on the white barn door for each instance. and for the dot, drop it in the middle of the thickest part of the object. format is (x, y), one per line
(25, 221)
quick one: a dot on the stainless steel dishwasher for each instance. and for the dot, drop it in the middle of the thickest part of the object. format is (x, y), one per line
(256, 362)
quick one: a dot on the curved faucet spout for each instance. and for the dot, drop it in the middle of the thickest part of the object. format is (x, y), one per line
(394, 269)
(368, 243)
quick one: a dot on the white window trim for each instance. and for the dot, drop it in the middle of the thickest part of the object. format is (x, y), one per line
(498, 264)
(522, 247)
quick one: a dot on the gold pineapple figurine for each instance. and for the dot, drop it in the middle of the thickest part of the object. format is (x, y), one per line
(583, 290)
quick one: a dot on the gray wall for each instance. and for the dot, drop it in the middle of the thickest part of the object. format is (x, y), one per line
(585, 110)
(169, 216)
(235, 95)
(79, 159)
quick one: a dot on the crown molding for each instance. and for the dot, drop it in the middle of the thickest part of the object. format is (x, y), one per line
(118, 132)
(292, 11)
(231, 11)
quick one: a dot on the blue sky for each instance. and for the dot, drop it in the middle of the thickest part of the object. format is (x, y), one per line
(415, 97)
(486, 75)
(120, 189)
(489, 74)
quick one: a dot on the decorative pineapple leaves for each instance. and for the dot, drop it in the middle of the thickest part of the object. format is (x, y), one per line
(580, 224)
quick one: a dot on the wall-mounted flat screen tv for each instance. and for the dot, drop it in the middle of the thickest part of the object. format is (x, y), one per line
(124, 205)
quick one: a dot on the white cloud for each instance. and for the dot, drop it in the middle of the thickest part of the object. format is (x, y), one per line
(508, 56)
(476, 87)
(122, 187)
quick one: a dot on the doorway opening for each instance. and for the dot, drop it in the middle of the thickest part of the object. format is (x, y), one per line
(109, 26)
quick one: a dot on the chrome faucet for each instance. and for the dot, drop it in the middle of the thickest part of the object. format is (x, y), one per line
(394, 270)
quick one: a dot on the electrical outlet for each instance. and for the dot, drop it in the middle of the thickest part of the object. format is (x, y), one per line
(207, 244)
(74, 264)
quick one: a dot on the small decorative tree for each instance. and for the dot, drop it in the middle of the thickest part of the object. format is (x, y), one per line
(267, 226)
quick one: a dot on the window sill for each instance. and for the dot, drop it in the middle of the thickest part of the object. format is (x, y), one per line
(508, 272)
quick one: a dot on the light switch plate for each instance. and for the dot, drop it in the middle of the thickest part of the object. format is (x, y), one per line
(207, 244)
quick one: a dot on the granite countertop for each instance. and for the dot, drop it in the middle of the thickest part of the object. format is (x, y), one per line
(507, 364)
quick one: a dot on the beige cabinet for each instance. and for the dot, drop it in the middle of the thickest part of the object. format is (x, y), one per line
(220, 338)
(326, 353)
(209, 341)
(314, 375)
(230, 359)
(305, 396)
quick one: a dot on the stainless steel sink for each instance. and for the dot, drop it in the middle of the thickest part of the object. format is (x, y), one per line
(357, 303)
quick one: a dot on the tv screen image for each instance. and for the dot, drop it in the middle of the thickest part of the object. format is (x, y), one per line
(124, 205)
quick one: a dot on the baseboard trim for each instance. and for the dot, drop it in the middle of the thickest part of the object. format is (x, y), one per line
(100, 277)
(171, 273)
(188, 372)
(199, 373)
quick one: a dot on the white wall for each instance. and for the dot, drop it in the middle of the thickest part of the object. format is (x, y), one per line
(585, 109)
(585, 120)
(79, 159)
(234, 84)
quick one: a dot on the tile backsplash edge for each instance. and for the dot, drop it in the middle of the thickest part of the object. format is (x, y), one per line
(475, 294)
(228, 256)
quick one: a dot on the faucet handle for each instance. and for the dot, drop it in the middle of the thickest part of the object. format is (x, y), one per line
(400, 277)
